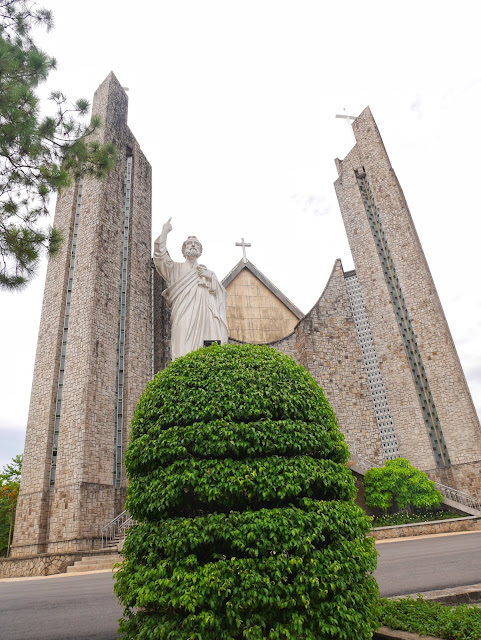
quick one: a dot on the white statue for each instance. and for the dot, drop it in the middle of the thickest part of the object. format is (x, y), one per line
(196, 298)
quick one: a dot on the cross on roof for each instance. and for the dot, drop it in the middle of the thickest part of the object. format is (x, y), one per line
(349, 119)
(243, 245)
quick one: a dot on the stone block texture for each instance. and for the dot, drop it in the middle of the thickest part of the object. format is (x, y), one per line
(90, 371)
(376, 340)
(325, 342)
(161, 314)
(455, 525)
(426, 383)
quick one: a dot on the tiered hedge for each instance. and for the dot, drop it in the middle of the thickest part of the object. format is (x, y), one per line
(247, 525)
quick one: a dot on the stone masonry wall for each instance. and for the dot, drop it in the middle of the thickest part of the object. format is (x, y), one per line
(84, 498)
(471, 523)
(451, 395)
(325, 342)
(32, 506)
(44, 564)
(138, 350)
(162, 335)
(466, 477)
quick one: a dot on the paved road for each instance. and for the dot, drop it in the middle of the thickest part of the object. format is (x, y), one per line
(63, 608)
(428, 563)
(81, 607)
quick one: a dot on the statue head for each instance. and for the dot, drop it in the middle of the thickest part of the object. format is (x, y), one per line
(191, 247)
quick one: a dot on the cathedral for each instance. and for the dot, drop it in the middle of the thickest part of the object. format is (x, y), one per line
(376, 340)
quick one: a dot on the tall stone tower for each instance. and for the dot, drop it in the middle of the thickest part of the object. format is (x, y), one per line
(426, 393)
(94, 353)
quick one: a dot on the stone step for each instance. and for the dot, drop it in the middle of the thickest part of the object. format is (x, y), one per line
(89, 567)
(114, 557)
(94, 563)
(108, 566)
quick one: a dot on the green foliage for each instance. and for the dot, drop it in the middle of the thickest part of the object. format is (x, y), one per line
(410, 518)
(247, 527)
(9, 488)
(38, 155)
(399, 483)
(432, 618)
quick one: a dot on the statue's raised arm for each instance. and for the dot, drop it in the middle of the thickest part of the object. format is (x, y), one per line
(196, 298)
(166, 229)
(162, 260)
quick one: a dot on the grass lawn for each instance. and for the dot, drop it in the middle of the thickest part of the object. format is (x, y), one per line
(462, 622)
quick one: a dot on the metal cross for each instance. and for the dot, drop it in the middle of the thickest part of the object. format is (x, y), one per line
(349, 120)
(243, 245)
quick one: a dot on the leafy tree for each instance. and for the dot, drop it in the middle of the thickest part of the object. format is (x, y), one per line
(400, 485)
(38, 155)
(246, 522)
(9, 488)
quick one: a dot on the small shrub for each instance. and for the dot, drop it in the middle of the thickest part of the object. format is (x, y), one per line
(247, 525)
(399, 485)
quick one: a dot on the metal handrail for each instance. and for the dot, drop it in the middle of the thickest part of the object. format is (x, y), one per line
(112, 530)
(461, 497)
(127, 524)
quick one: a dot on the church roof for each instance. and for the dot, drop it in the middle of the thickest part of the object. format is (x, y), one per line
(265, 281)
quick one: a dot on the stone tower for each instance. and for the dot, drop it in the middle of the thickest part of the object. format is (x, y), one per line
(430, 405)
(376, 340)
(94, 353)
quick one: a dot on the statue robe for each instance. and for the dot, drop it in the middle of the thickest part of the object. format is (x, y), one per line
(197, 303)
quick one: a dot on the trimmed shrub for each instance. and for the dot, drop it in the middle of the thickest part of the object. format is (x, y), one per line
(399, 484)
(247, 525)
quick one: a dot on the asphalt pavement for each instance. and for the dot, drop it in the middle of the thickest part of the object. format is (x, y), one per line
(77, 607)
(64, 607)
(428, 563)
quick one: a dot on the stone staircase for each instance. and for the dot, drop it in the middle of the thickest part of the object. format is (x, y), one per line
(99, 562)
(114, 532)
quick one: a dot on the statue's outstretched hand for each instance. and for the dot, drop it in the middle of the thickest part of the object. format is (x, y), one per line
(167, 228)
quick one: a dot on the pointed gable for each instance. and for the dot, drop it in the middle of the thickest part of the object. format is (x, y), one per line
(256, 310)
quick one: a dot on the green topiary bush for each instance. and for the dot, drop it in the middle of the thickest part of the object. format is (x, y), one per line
(400, 486)
(247, 525)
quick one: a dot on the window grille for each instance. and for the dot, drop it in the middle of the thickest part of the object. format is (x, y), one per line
(63, 352)
(431, 418)
(120, 376)
(371, 365)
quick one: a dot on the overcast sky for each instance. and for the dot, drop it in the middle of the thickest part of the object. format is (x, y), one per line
(234, 105)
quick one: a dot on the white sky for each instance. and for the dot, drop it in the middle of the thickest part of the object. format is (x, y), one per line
(233, 104)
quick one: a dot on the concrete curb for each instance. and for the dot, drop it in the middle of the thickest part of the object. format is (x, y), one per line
(431, 527)
(469, 594)
(424, 536)
(386, 633)
(57, 575)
